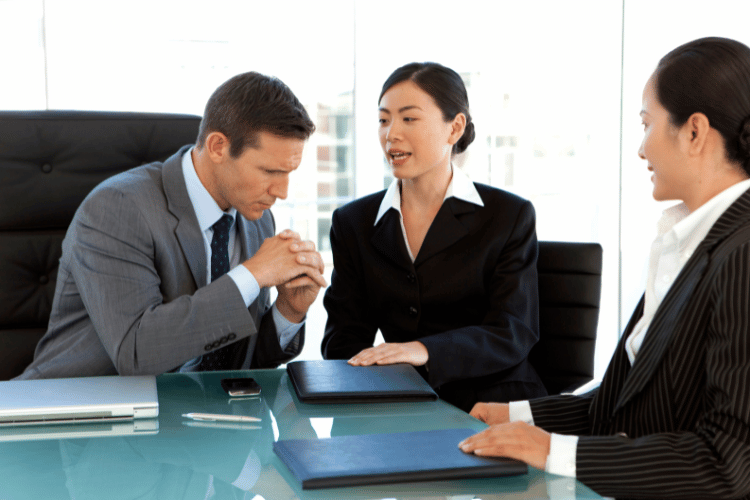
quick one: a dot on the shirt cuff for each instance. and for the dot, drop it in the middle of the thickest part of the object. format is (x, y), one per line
(246, 283)
(284, 328)
(249, 289)
(562, 455)
(520, 411)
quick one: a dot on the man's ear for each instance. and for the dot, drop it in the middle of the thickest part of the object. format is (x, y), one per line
(217, 147)
(697, 127)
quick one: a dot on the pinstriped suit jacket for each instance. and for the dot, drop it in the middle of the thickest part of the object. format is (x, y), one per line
(677, 423)
(132, 295)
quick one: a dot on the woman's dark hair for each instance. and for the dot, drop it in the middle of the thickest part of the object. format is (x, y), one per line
(250, 103)
(710, 76)
(445, 87)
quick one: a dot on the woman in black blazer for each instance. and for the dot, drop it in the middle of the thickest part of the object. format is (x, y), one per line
(445, 268)
(671, 418)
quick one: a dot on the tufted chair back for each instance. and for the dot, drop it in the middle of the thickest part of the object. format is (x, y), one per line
(49, 161)
(570, 283)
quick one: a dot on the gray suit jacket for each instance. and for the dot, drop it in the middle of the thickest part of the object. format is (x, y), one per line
(676, 424)
(131, 294)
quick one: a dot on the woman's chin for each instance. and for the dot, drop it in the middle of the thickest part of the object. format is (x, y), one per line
(401, 173)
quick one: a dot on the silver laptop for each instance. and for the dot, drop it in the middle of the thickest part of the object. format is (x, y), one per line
(77, 400)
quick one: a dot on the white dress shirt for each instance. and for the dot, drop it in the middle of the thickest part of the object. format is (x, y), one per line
(460, 187)
(679, 233)
(208, 213)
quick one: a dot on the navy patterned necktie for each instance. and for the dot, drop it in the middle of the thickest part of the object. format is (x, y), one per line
(220, 359)
(220, 247)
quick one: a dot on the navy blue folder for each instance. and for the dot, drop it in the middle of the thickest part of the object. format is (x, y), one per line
(388, 458)
(336, 381)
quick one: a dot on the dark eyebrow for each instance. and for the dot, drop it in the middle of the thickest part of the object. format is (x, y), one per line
(274, 169)
(407, 108)
(400, 110)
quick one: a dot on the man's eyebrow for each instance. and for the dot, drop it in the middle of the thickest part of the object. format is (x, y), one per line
(274, 169)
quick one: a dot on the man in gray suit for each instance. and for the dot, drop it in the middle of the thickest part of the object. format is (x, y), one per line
(143, 286)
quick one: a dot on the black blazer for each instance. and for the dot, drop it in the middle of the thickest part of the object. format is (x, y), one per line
(470, 296)
(683, 408)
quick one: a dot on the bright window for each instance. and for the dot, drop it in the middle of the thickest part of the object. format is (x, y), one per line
(554, 88)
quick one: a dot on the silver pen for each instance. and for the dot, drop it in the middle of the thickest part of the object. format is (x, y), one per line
(213, 417)
(234, 426)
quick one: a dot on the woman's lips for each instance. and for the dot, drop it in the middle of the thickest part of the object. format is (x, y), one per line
(398, 157)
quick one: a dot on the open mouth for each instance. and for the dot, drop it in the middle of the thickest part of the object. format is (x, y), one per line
(397, 157)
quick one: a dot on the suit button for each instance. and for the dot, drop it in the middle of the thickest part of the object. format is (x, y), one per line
(411, 278)
(413, 311)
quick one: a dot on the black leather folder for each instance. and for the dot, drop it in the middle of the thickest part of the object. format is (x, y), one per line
(388, 458)
(336, 381)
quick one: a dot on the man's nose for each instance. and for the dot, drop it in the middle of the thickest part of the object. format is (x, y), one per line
(279, 188)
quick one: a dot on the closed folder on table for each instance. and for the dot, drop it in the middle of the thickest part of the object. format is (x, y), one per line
(388, 458)
(336, 381)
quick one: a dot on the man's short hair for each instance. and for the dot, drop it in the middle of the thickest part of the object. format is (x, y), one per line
(250, 103)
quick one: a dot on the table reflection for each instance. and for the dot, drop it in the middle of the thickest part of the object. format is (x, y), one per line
(186, 459)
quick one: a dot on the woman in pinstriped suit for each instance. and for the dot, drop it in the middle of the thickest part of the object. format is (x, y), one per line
(671, 418)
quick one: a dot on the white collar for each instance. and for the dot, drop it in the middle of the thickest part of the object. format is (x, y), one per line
(691, 228)
(460, 187)
(206, 209)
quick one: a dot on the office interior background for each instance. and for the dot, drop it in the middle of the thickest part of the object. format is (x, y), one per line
(554, 86)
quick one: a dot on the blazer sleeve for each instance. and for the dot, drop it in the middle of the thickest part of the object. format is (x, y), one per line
(348, 329)
(712, 460)
(510, 327)
(114, 267)
(566, 414)
(268, 352)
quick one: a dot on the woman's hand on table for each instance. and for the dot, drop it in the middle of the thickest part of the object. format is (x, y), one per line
(517, 440)
(414, 353)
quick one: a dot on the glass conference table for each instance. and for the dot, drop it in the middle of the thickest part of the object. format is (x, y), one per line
(178, 458)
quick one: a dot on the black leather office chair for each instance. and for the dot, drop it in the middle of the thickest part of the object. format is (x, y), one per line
(49, 161)
(570, 276)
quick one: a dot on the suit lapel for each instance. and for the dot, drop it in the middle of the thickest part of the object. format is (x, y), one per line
(187, 231)
(387, 239)
(250, 237)
(617, 371)
(661, 330)
(446, 229)
(250, 243)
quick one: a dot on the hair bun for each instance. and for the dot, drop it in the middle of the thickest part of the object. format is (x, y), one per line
(744, 141)
(466, 139)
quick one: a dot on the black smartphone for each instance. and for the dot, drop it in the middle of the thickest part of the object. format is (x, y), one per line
(240, 387)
